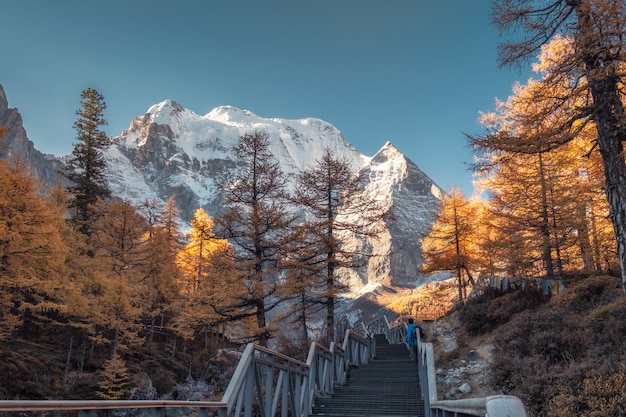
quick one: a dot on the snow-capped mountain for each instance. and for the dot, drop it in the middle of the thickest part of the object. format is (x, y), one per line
(171, 152)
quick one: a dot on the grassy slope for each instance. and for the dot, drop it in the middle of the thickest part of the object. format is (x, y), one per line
(564, 356)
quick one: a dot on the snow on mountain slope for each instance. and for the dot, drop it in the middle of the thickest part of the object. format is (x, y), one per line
(414, 198)
(172, 152)
(212, 136)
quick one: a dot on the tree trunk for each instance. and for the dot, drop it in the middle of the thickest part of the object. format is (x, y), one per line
(330, 304)
(261, 322)
(92, 349)
(609, 117)
(584, 240)
(460, 283)
(470, 278)
(555, 229)
(457, 244)
(545, 223)
(151, 330)
(597, 260)
(302, 319)
(612, 155)
(81, 362)
(68, 360)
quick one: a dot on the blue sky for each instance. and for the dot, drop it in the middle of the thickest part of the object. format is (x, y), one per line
(412, 72)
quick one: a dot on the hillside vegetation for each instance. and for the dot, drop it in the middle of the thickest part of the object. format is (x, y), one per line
(564, 356)
(34, 366)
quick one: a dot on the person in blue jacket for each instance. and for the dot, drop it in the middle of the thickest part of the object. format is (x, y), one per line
(411, 337)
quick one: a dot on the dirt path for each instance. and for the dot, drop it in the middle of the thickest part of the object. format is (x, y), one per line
(462, 364)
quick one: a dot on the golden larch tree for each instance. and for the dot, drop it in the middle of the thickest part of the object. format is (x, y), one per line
(450, 245)
(209, 283)
(33, 280)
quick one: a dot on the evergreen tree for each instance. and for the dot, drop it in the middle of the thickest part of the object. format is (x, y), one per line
(209, 284)
(34, 288)
(86, 167)
(196, 257)
(119, 241)
(304, 271)
(159, 278)
(545, 189)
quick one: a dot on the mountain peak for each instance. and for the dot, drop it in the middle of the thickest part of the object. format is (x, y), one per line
(4, 104)
(387, 153)
(388, 147)
(230, 114)
(171, 152)
(167, 112)
(167, 105)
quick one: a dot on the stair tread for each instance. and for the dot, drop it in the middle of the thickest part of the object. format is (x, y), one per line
(387, 385)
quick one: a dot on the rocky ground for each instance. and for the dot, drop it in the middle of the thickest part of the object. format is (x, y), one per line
(462, 364)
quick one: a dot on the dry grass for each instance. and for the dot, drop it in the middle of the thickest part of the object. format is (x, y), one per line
(560, 356)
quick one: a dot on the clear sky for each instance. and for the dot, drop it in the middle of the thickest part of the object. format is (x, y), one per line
(412, 72)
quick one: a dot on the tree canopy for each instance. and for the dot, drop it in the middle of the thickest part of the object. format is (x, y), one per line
(581, 85)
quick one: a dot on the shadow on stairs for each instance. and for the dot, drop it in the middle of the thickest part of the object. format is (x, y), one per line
(387, 386)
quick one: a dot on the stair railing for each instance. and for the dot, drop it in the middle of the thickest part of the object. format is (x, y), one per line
(394, 334)
(265, 383)
(492, 406)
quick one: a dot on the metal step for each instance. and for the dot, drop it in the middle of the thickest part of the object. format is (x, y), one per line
(387, 386)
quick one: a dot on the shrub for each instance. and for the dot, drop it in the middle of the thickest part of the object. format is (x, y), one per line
(601, 395)
(494, 308)
(560, 357)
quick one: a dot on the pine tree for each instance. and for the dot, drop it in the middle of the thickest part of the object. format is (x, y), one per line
(159, 278)
(535, 173)
(119, 242)
(34, 288)
(304, 285)
(195, 257)
(86, 167)
(209, 283)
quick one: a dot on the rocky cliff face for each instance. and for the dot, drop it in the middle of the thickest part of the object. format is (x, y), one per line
(415, 200)
(16, 146)
(171, 152)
